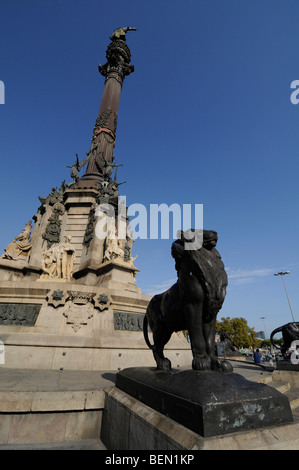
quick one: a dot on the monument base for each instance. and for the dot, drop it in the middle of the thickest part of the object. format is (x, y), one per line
(207, 402)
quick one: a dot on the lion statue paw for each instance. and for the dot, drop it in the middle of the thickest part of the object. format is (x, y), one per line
(201, 363)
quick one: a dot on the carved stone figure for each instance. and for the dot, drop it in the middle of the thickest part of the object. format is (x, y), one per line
(67, 258)
(20, 247)
(290, 333)
(108, 191)
(113, 245)
(55, 195)
(53, 228)
(76, 167)
(106, 167)
(49, 264)
(89, 231)
(58, 261)
(120, 33)
(191, 304)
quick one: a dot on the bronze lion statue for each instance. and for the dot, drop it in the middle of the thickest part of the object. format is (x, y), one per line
(290, 333)
(192, 303)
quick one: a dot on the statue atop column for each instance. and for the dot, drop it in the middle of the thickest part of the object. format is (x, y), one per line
(118, 55)
(101, 150)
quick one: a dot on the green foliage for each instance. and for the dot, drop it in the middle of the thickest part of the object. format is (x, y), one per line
(239, 332)
(266, 343)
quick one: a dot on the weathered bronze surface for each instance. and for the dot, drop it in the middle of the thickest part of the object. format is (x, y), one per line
(207, 402)
(192, 304)
(290, 333)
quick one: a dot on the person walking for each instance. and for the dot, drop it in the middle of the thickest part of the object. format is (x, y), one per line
(257, 357)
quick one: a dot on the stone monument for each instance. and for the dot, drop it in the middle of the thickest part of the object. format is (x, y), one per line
(68, 293)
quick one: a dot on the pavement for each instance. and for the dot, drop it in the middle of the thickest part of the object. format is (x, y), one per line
(16, 381)
(31, 380)
(35, 380)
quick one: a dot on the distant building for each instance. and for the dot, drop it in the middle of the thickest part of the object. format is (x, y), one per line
(260, 335)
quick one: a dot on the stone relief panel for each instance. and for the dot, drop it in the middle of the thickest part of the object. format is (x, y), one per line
(128, 321)
(19, 314)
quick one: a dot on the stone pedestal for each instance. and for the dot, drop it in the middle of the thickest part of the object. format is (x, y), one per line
(75, 325)
(287, 365)
(209, 403)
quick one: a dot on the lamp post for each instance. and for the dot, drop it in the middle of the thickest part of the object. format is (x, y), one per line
(281, 274)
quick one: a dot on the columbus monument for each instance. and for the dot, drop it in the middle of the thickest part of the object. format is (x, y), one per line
(69, 301)
(68, 293)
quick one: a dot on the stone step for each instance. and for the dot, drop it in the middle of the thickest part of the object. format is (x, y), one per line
(84, 444)
(283, 387)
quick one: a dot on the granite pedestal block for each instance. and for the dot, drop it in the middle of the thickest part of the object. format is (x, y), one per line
(287, 365)
(207, 402)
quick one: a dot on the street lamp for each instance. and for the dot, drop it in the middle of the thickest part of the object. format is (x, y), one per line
(281, 275)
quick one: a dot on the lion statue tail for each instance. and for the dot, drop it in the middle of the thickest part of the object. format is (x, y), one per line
(145, 332)
(274, 332)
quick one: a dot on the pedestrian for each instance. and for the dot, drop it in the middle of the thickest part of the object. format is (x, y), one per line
(257, 357)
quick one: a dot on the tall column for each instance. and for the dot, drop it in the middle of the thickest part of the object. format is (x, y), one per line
(115, 70)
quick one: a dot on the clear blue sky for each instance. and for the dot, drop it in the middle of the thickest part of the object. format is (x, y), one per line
(205, 118)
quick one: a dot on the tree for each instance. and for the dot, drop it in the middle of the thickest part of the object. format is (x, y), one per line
(266, 343)
(239, 332)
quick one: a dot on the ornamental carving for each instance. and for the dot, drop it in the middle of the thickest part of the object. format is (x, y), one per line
(57, 297)
(78, 315)
(53, 228)
(79, 297)
(102, 302)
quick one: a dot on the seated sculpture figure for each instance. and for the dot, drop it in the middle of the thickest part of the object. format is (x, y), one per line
(58, 261)
(19, 248)
(113, 246)
(192, 304)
